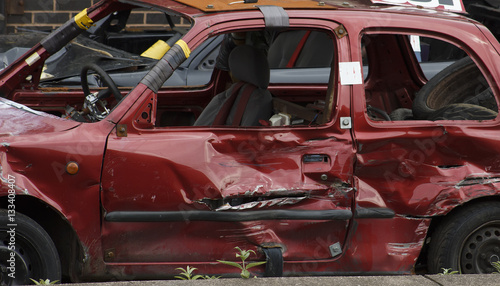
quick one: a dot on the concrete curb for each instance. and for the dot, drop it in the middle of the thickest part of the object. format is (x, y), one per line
(420, 280)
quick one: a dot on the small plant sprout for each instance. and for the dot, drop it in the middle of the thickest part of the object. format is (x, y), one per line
(496, 265)
(188, 274)
(243, 255)
(448, 271)
(207, 277)
(44, 282)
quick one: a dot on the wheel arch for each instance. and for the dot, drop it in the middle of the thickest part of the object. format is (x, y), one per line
(437, 220)
(69, 248)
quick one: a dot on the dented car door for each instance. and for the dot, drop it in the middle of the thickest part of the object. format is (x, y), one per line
(192, 193)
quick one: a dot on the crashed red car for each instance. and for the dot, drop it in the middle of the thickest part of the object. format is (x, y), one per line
(379, 171)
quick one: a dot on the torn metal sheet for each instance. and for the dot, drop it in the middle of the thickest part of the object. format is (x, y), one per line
(262, 204)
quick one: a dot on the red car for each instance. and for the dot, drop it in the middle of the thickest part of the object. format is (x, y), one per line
(379, 171)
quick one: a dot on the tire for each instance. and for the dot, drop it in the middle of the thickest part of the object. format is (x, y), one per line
(467, 241)
(36, 256)
(484, 99)
(401, 114)
(463, 111)
(454, 84)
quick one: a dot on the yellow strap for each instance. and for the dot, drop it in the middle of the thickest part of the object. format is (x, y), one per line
(157, 50)
(83, 20)
(184, 48)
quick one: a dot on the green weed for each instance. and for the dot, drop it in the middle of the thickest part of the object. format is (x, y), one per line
(188, 274)
(496, 265)
(243, 255)
(44, 282)
(448, 271)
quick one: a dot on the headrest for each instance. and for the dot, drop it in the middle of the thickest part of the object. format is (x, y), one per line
(250, 65)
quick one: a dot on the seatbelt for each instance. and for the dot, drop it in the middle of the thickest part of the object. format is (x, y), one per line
(298, 49)
(221, 117)
(242, 104)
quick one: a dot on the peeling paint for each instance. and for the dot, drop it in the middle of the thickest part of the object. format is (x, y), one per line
(257, 188)
(402, 248)
(261, 204)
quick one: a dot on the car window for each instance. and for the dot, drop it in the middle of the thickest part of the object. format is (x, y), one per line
(411, 77)
(434, 55)
(135, 31)
(301, 54)
(125, 44)
(299, 67)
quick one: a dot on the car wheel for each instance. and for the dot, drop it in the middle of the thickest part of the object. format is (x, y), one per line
(456, 83)
(34, 252)
(467, 241)
(463, 111)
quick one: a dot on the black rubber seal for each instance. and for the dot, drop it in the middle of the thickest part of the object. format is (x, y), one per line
(374, 213)
(226, 216)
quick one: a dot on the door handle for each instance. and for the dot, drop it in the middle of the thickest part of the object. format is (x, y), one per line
(316, 158)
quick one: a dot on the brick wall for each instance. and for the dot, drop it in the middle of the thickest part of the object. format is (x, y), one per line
(47, 15)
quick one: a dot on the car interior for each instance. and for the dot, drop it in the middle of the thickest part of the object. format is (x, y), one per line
(396, 88)
(406, 77)
(291, 53)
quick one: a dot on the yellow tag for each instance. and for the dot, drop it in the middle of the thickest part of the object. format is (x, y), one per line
(83, 20)
(32, 59)
(157, 50)
(184, 47)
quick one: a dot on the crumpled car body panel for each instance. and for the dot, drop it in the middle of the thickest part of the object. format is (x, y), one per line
(348, 195)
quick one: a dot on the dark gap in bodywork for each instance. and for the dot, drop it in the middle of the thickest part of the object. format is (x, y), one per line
(478, 181)
(246, 202)
(449, 166)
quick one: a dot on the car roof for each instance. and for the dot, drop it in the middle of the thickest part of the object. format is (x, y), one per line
(210, 6)
(196, 8)
(235, 5)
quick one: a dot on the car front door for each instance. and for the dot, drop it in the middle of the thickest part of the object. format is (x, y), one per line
(191, 194)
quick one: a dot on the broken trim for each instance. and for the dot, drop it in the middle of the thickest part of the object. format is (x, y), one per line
(167, 216)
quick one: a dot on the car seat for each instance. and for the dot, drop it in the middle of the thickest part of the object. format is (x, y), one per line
(246, 101)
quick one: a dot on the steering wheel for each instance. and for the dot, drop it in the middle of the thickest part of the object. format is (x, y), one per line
(94, 105)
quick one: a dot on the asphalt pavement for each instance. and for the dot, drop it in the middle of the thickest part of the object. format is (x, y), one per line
(420, 280)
